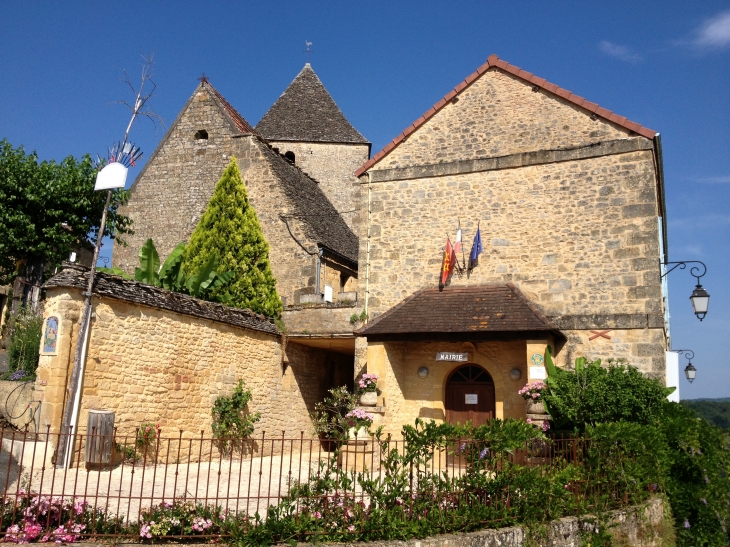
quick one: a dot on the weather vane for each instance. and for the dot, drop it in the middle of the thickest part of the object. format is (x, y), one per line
(308, 51)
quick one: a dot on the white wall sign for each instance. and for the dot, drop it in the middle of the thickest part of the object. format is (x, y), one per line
(113, 175)
(449, 356)
(471, 399)
(538, 373)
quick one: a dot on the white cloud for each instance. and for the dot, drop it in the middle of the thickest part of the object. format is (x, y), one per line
(714, 180)
(715, 32)
(711, 220)
(624, 53)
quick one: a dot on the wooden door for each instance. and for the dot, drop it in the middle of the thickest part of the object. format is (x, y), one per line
(470, 396)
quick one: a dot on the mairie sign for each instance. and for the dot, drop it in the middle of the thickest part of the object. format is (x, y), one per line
(449, 356)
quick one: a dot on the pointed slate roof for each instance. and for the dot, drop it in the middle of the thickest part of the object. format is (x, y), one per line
(495, 62)
(306, 112)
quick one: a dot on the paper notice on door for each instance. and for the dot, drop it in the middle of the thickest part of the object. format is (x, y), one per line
(471, 399)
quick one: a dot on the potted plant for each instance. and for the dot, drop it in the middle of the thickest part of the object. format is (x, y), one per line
(368, 390)
(532, 393)
(358, 422)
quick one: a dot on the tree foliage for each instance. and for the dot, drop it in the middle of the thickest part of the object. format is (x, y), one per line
(229, 230)
(593, 394)
(690, 458)
(37, 197)
(200, 284)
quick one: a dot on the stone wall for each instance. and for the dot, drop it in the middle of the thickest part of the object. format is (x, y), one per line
(405, 396)
(19, 404)
(154, 365)
(499, 115)
(171, 193)
(333, 166)
(320, 318)
(580, 238)
(642, 526)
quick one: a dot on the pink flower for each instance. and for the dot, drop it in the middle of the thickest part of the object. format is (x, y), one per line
(529, 420)
(350, 528)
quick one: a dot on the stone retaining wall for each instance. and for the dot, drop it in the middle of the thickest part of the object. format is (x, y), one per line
(638, 526)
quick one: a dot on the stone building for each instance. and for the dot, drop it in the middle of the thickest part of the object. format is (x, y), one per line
(298, 165)
(568, 197)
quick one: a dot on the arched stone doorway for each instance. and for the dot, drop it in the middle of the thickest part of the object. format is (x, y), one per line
(470, 395)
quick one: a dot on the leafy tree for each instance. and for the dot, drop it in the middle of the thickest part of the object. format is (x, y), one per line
(230, 231)
(36, 198)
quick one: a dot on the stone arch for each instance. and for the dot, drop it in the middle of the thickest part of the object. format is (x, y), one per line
(496, 374)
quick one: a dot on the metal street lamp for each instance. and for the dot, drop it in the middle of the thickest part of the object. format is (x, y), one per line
(700, 297)
(690, 371)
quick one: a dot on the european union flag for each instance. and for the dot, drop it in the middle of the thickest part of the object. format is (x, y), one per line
(476, 250)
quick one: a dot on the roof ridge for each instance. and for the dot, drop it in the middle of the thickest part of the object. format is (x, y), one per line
(495, 62)
(235, 116)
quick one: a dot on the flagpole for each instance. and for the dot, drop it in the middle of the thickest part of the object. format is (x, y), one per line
(463, 256)
(456, 263)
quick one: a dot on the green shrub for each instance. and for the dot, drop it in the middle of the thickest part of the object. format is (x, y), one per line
(593, 394)
(639, 439)
(25, 342)
(232, 423)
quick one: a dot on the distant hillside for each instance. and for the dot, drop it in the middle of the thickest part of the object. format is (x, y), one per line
(716, 411)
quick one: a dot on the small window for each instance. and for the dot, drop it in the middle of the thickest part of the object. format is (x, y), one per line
(201, 134)
(290, 156)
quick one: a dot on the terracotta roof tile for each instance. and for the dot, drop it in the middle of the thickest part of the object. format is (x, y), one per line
(239, 120)
(492, 62)
(462, 310)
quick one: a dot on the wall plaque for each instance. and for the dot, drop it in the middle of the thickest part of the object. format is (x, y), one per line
(471, 399)
(49, 342)
(450, 356)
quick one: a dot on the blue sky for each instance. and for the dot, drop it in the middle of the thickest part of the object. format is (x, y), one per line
(665, 65)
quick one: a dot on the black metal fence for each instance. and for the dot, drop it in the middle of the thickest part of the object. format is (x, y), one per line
(115, 483)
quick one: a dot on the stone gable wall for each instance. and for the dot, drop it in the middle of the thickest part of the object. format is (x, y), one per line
(499, 115)
(171, 194)
(150, 365)
(333, 166)
(579, 238)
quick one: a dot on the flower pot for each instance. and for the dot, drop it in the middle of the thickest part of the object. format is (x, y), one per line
(369, 398)
(535, 406)
(359, 433)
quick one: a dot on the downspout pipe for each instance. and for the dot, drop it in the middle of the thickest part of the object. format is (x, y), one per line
(320, 251)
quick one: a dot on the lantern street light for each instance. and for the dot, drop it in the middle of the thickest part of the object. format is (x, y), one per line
(700, 297)
(690, 371)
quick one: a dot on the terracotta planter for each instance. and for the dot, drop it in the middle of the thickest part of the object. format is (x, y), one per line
(535, 407)
(369, 398)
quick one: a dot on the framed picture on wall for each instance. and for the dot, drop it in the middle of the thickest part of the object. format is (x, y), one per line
(51, 332)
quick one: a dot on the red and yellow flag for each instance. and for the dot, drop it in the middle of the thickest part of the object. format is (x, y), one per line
(448, 264)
